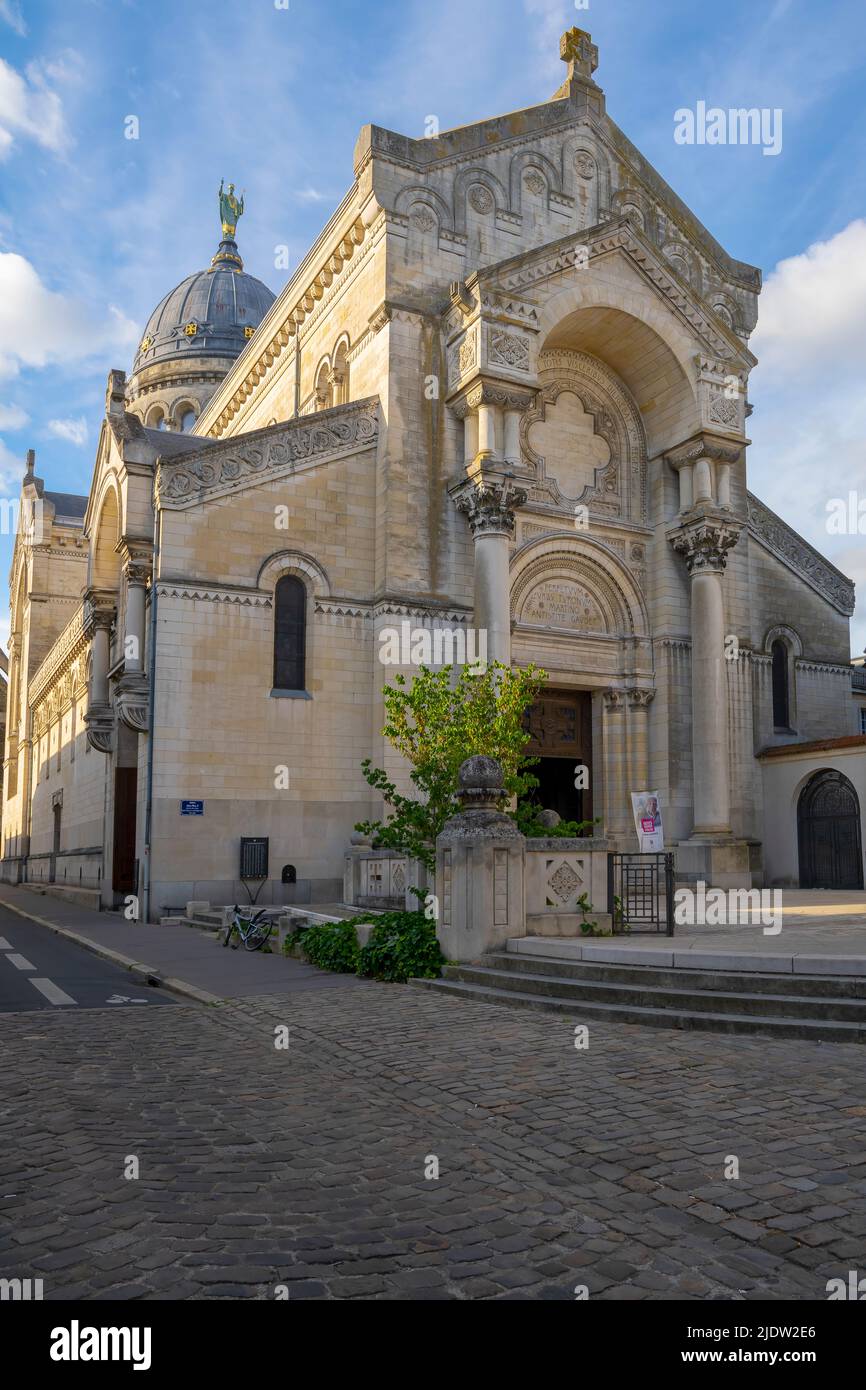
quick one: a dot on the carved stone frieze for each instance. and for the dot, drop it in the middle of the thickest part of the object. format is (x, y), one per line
(507, 350)
(236, 462)
(789, 547)
(492, 393)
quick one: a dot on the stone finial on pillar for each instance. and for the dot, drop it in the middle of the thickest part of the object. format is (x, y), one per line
(115, 393)
(479, 867)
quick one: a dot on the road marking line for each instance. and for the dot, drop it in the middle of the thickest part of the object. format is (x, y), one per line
(21, 963)
(52, 992)
(4, 944)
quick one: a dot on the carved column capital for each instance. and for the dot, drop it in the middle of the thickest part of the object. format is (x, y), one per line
(704, 542)
(489, 504)
(639, 698)
(100, 612)
(136, 557)
(614, 701)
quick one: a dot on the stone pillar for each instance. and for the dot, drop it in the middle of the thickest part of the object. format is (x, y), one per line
(704, 543)
(639, 701)
(131, 696)
(480, 856)
(487, 413)
(704, 539)
(489, 505)
(511, 448)
(99, 615)
(617, 812)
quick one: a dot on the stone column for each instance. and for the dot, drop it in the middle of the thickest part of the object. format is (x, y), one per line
(99, 615)
(704, 542)
(489, 505)
(488, 497)
(616, 811)
(639, 701)
(480, 856)
(511, 448)
(131, 695)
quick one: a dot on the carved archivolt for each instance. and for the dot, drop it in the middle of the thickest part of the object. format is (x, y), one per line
(619, 488)
(578, 586)
(294, 562)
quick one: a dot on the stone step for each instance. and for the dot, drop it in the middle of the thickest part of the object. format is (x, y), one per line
(582, 1010)
(681, 977)
(679, 997)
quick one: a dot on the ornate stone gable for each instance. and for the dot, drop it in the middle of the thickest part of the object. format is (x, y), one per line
(525, 275)
(799, 556)
(248, 459)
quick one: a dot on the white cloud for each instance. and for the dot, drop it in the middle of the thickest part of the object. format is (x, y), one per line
(313, 195)
(11, 471)
(12, 417)
(809, 425)
(549, 21)
(10, 10)
(813, 307)
(39, 327)
(75, 431)
(30, 108)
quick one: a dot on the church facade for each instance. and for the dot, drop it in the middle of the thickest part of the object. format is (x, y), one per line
(504, 396)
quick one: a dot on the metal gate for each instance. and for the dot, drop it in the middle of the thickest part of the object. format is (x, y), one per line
(828, 826)
(640, 892)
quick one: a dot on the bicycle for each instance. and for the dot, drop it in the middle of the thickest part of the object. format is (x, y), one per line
(254, 931)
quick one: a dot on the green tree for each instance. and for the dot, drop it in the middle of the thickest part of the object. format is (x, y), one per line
(437, 723)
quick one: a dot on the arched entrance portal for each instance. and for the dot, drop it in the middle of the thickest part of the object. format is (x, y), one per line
(828, 828)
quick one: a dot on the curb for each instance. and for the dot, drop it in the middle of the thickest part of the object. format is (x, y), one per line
(146, 974)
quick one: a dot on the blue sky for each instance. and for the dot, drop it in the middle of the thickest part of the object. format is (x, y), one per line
(95, 228)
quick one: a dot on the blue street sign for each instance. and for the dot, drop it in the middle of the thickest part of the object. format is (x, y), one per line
(192, 808)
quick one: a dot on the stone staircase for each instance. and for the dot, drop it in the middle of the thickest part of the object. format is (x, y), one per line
(822, 1008)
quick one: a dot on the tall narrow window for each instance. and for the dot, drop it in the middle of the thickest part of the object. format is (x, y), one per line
(290, 622)
(781, 703)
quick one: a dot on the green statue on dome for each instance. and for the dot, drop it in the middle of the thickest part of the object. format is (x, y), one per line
(231, 210)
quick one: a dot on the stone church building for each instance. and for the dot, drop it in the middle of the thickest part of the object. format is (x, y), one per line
(506, 391)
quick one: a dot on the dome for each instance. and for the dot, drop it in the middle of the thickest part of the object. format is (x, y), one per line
(212, 313)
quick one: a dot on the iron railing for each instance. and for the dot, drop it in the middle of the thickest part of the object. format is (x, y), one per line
(640, 892)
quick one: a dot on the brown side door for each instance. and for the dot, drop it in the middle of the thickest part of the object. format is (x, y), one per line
(125, 796)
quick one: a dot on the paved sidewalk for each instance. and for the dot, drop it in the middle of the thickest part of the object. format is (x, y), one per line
(183, 959)
(812, 932)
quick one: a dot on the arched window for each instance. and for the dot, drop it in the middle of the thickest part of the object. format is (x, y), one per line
(290, 624)
(187, 420)
(781, 701)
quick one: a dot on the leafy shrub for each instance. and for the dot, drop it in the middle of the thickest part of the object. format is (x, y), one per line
(402, 945)
(527, 815)
(330, 946)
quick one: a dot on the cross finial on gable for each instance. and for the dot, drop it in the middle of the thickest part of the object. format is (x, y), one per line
(578, 50)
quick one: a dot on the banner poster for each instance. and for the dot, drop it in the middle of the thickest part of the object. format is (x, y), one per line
(648, 821)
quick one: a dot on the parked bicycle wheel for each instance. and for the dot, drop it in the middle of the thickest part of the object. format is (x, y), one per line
(259, 933)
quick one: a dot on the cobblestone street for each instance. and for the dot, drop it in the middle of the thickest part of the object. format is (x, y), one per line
(558, 1167)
